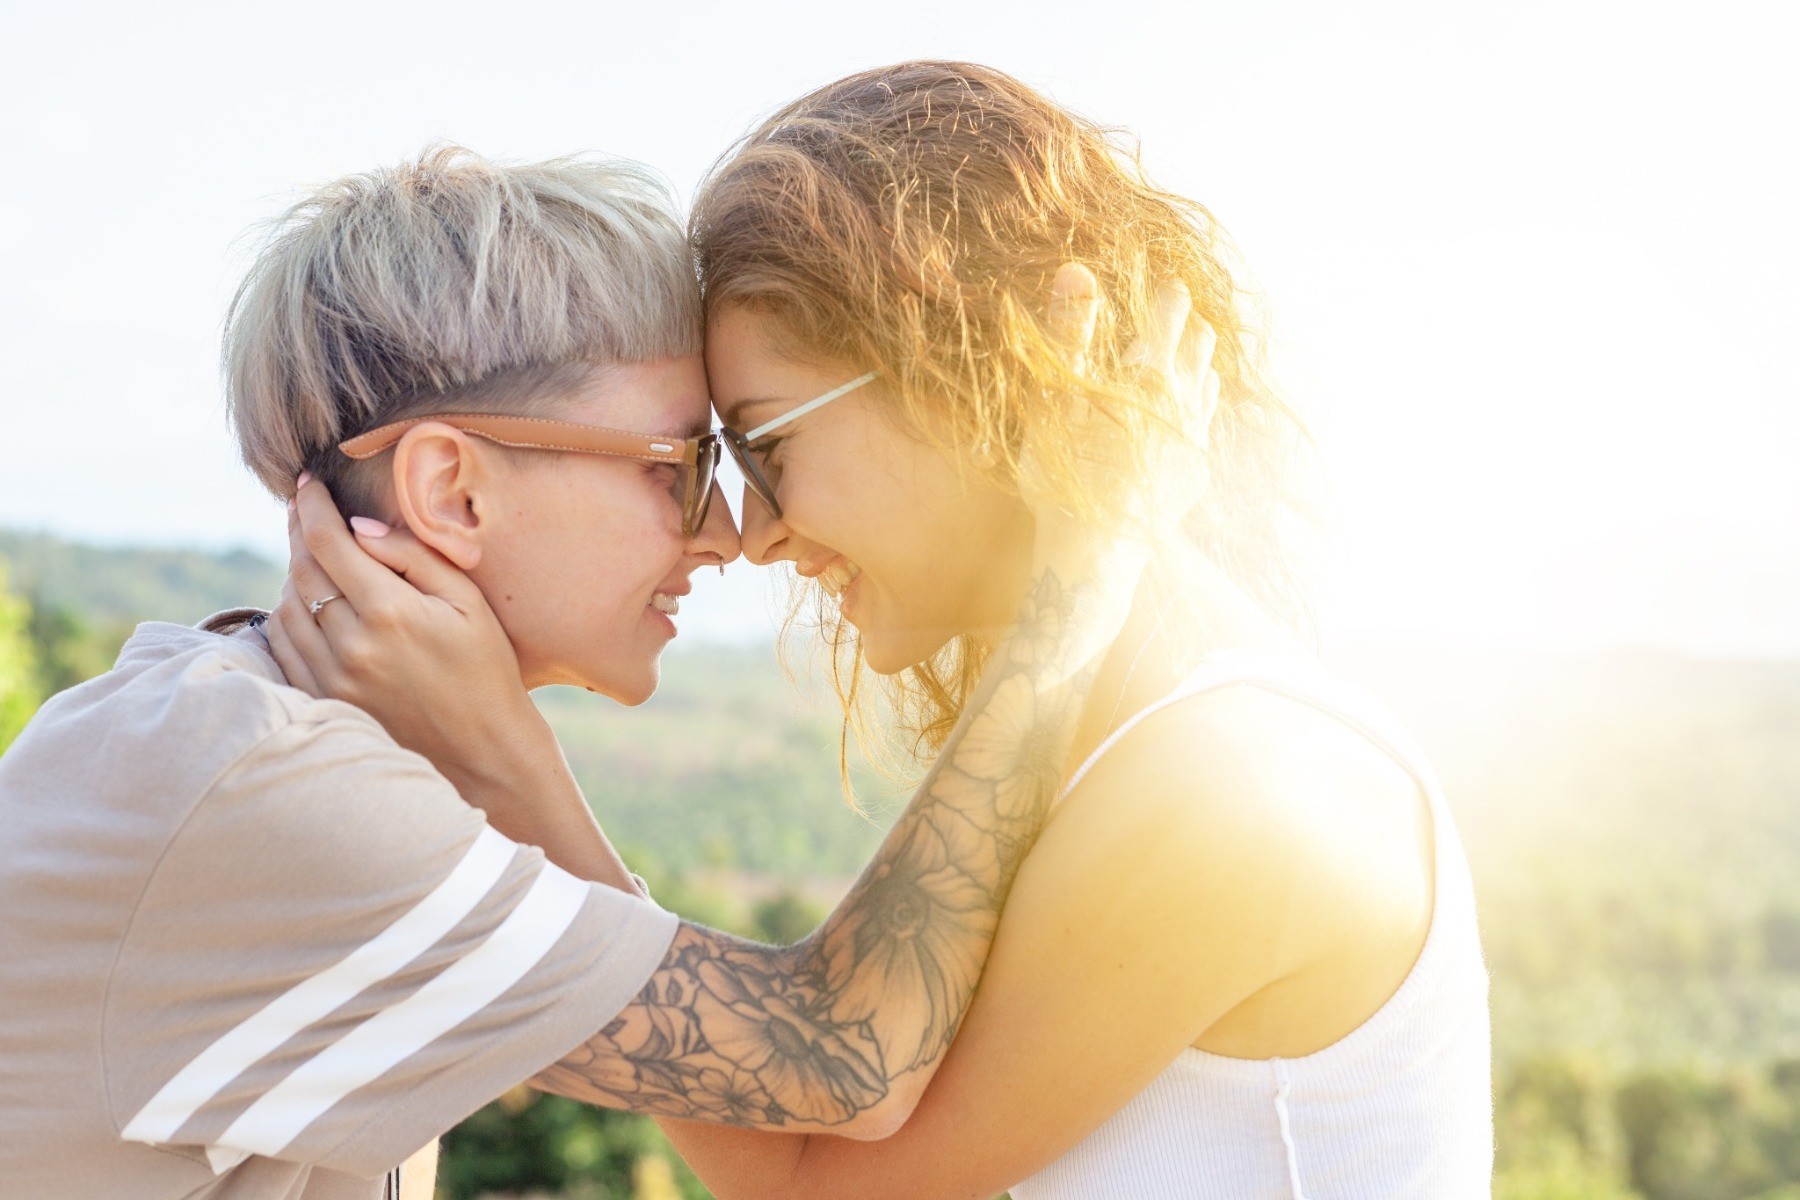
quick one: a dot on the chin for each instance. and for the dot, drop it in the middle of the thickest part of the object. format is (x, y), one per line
(629, 692)
(633, 688)
(632, 697)
(628, 687)
(892, 655)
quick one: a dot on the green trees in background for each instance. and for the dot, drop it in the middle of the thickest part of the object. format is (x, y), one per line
(111, 588)
(21, 689)
(45, 647)
(530, 1143)
(1569, 1129)
(70, 648)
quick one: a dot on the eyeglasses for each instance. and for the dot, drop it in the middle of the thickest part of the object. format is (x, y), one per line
(740, 443)
(697, 457)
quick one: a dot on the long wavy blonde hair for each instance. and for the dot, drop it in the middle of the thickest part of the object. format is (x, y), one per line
(913, 218)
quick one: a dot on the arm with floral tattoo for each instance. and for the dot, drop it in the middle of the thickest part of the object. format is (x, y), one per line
(841, 1031)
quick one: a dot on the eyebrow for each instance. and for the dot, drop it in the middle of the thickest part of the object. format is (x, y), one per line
(692, 427)
(733, 411)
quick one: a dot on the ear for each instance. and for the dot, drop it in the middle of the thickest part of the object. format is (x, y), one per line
(443, 484)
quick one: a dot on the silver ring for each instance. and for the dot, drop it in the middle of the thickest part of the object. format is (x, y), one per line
(316, 605)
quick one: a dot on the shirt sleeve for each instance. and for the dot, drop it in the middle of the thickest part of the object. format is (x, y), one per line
(337, 959)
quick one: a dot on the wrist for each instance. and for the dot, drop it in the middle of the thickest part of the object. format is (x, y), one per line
(513, 749)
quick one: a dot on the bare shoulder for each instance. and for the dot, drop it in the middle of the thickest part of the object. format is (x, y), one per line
(1273, 801)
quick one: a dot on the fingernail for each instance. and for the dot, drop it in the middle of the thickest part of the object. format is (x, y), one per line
(369, 527)
(305, 478)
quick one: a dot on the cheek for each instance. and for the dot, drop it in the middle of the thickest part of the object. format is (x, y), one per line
(865, 488)
(956, 560)
(627, 554)
(930, 525)
(609, 541)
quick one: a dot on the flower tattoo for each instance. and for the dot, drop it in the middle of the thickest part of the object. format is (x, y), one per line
(813, 1035)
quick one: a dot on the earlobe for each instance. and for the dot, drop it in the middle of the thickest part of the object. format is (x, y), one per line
(439, 478)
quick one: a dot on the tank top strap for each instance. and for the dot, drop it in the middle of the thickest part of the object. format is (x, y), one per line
(1299, 678)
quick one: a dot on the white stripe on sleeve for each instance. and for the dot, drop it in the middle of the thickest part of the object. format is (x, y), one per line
(464, 988)
(317, 996)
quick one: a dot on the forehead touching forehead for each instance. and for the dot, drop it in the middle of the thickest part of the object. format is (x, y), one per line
(757, 372)
(666, 395)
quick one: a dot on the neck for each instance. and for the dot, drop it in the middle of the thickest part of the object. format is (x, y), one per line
(1175, 621)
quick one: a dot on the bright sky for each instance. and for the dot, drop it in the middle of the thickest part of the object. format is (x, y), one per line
(1532, 266)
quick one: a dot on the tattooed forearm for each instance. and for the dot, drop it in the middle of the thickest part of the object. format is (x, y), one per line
(728, 1031)
(815, 1035)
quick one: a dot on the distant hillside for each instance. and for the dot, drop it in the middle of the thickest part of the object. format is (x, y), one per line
(727, 767)
(1632, 819)
(123, 585)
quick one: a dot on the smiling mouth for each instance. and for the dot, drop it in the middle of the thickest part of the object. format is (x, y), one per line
(663, 602)
(839, 576)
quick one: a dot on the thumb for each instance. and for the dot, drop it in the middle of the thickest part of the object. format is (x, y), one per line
(1074, 311)
(1157, 346)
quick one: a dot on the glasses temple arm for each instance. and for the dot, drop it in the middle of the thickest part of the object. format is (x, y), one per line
(802, 410)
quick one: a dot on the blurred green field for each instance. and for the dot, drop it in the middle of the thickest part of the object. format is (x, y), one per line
(1632, 819)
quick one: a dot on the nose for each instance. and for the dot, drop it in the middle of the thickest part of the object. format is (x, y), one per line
(764, 535)
(717, 536)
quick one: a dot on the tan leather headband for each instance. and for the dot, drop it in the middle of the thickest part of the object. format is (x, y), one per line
(539, 433)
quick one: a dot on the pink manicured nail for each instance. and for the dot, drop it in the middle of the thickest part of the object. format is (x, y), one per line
(305, 478)
(369, 527)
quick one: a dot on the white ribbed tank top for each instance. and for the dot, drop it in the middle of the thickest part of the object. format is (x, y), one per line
(1400, 1109)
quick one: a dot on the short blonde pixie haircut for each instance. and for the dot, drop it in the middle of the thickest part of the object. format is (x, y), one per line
(450, 283)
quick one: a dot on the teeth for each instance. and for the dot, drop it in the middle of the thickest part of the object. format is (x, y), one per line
(838, 576)
(665, 603)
